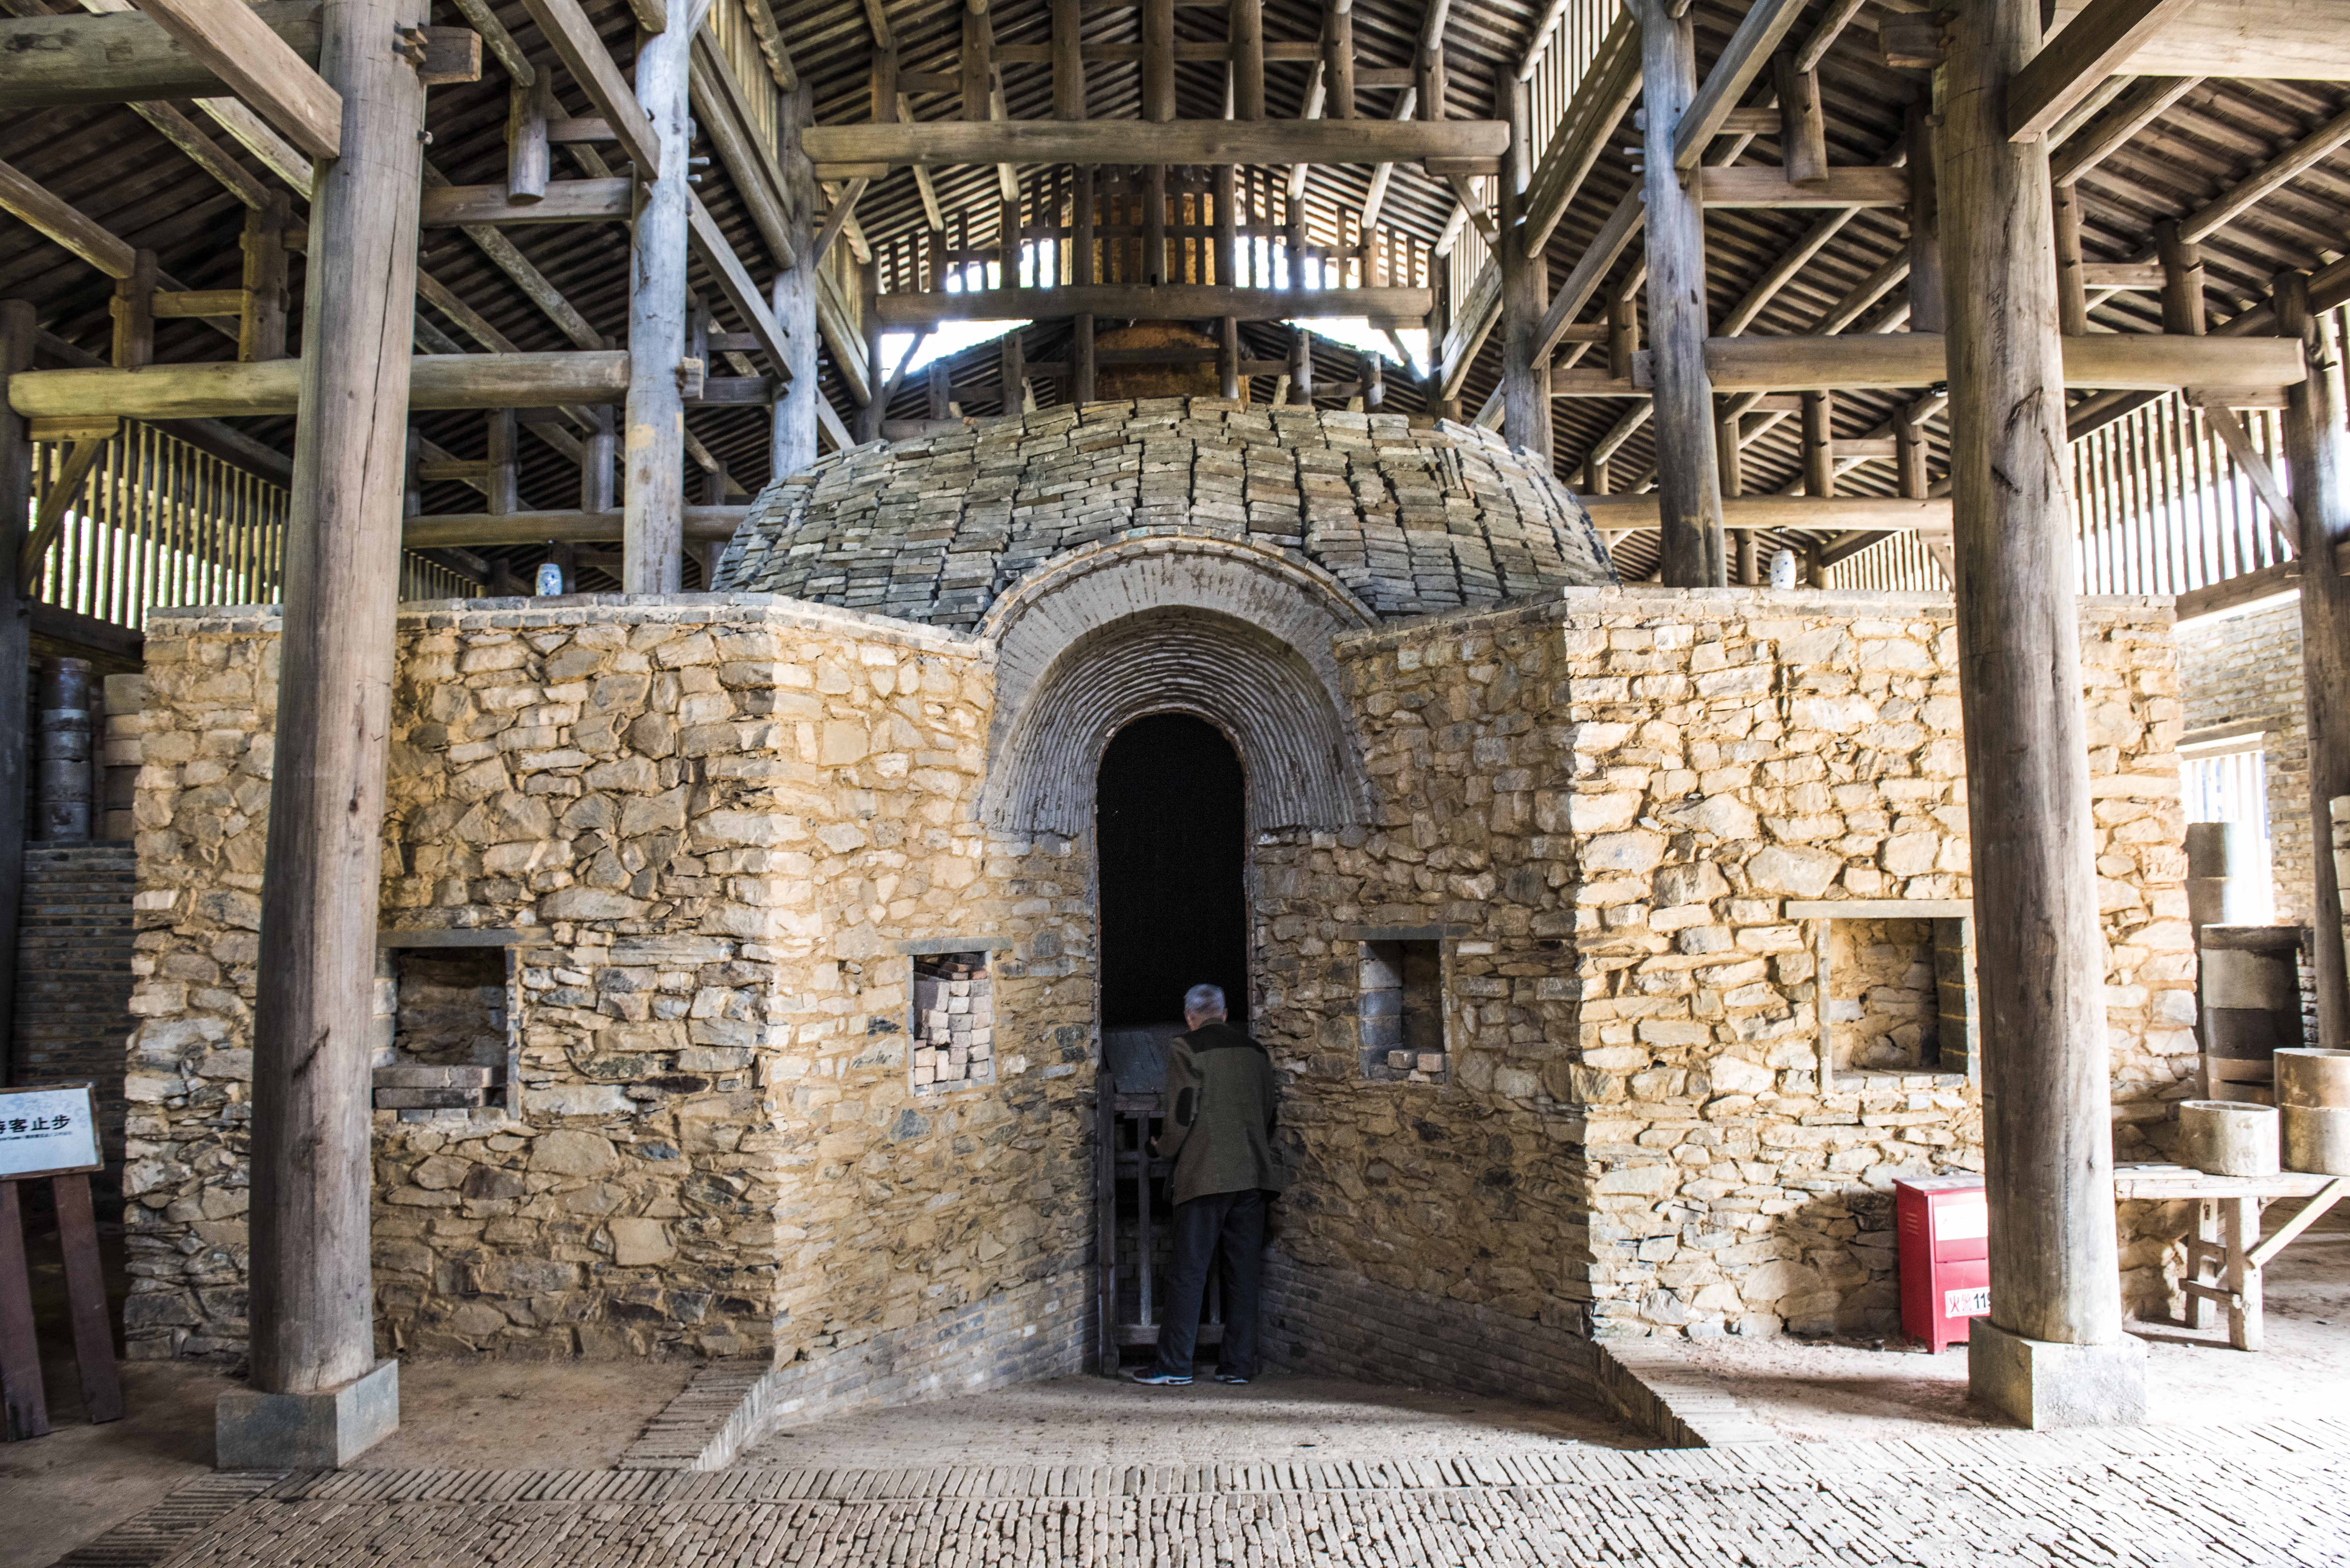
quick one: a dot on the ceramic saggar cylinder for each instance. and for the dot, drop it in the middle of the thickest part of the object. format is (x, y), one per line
(2308, 1076)
(2317, 1139)
(2226, 880)
(2227, 1137)
(63, 788)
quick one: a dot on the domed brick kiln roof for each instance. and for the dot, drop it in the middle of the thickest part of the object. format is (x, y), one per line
(1412, 515)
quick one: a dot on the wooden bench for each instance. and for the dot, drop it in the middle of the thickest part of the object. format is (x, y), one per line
(2227, 1232)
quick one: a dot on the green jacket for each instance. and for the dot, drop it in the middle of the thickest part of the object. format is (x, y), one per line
(1222, 1099)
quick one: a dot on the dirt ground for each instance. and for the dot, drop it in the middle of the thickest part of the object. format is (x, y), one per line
(1093, 1420)
(1820, 1391)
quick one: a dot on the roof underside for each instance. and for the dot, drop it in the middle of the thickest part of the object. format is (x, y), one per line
(114, 166)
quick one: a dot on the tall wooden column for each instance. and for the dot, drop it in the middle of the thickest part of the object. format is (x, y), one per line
(2320, 499)
(2053, 1351)
(652, 548)
(791, 445)
(18, 330)
(1525, 288)
(312, 1333)
(1689, 483)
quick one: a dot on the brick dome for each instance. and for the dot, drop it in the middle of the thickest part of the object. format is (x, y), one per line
(1411, 515)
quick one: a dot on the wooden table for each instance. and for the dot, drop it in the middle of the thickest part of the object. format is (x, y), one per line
(2227, 1232)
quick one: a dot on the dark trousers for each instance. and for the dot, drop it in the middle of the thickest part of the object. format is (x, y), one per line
(1230, 1224)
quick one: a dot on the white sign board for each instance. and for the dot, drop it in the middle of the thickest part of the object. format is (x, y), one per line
(48, 1130)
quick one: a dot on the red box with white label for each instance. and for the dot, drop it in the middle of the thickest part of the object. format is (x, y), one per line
(1943, 1226)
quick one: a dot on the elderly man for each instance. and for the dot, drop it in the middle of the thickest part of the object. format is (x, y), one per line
(1221, 1095)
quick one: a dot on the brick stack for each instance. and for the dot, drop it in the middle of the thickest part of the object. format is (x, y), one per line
(954, 1023)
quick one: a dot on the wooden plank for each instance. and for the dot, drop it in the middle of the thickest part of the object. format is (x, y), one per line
(1845, 185)
(122, 57)
(1105, 1214)
(214, 389)
(1152, 302)
(19, 332)
(944, 142)
(709, 241)
(2076, 60)
(560, 202)
(577, 43)
(22, 198)
(93, 1336)
(257, 66)
(24, 1405)
(1742, 58)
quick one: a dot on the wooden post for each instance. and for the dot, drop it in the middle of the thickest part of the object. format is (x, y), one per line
(1803, 128)
(262, 332)
(1374, 380)
(1301, 368)
(2041, 964)
(877, 374)
(1227, 266)
(311, 1307)
(1339, 59)
(1525, 288)
(978, 48)
(1013, 369)
(2320, 482)
(2072, 287)
(134, 314)
(1819, 444)
(792, 434)
(1159, 66)
(1909, 455)
(1068, 61)
(1247, 31)
(1731, 449)
(1595, 476)
(1623, 336)
(1154, 223)
(652, 547)
(1688, 482)
(529, 157)
(597, 456)
(1749, 560)
(2182, 280)
(1928, 311)
(1081, 271)
(504, 494)
(18, 329)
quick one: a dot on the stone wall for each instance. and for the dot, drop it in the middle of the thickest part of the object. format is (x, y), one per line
(713, 828)
(1606, 804)
(2245, 669)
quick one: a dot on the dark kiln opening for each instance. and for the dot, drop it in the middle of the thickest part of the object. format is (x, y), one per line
(1171, 821)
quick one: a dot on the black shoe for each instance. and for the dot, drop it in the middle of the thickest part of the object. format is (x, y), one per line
(1155, 1379)
(1229, 1377)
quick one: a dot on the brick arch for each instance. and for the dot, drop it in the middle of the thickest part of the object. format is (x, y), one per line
(1231, 634)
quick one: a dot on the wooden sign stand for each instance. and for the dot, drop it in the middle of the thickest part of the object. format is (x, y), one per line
(26, 1405)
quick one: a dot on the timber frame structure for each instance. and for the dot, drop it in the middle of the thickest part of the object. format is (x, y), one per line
(1810, 275)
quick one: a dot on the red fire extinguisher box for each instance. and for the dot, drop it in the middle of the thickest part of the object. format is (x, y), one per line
(1943, 1226)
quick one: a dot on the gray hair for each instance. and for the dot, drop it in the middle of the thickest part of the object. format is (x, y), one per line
(1204, 999)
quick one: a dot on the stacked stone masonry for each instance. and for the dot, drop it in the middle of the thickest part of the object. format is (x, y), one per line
(1412, 515)
(722, 830)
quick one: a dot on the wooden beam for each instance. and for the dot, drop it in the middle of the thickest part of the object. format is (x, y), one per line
(720, 109)
(2131, 113)
(215, 390)
(1802, 126)
(259, 67)
(80, 457)
(1597, 106)
(856, 148)
(559, 202)
(1590, 270)
(24, 199)
(439, 530)
(1845, 185)
(1766, 289)
(1880, 514)
(581, 49)
(2073, 62)
(709, 241)
(2290, 40)
(1148, 302)
(2225, 424)
(1526, 284)
(1831, 23)
(121, 57)
(2279, 171)
(652, 431)
(2146, 361)
(1742, 58)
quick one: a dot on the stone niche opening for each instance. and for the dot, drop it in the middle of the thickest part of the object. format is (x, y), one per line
(1399, 1020)
(1896, 984)
(951, 1033)
(445, 1039)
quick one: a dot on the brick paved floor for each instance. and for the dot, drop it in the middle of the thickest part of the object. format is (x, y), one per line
(2169, 1497)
